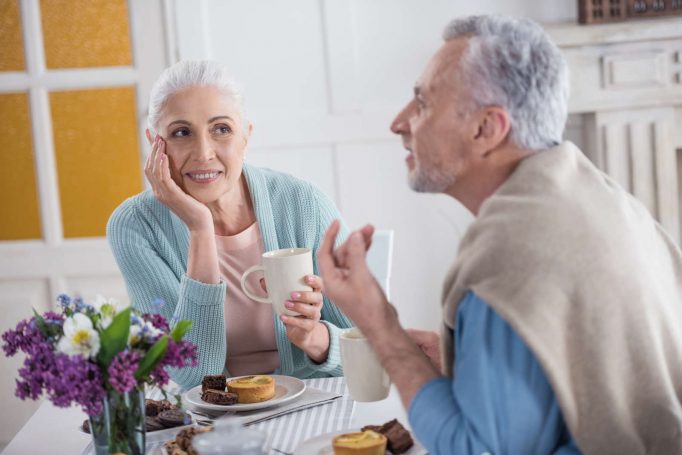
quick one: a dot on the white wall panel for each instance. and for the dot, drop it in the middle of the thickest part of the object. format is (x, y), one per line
(17, 297)
(313, 164)
(275, 49)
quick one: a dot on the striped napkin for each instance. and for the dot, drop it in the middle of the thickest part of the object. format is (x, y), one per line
(285, 433)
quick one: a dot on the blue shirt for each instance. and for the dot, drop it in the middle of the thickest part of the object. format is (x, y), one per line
(499, 401)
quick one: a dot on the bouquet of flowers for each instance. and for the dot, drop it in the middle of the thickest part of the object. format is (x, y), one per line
(100, 356)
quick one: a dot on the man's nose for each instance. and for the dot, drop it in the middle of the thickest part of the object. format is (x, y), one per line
(401, 123)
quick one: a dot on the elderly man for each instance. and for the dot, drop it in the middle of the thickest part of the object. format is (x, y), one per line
(563, 309)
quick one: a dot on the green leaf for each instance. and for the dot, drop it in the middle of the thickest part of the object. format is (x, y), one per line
(180, 330)
(152, 357)
(114, 338)
(42, 325)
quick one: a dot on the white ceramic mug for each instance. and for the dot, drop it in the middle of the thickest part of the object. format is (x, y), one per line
(285, 271)
(366, 378)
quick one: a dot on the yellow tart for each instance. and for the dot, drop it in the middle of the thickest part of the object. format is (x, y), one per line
(362, 443)
(252, 389)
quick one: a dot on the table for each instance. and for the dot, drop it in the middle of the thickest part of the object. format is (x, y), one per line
(55, 430)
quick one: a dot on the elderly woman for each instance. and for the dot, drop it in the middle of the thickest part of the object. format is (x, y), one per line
(208, 218)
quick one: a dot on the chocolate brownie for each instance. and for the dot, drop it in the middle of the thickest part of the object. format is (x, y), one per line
(152, 424)
(171, 418)
(219, 397)
(399, 439)
(213, 382)
(153, 407)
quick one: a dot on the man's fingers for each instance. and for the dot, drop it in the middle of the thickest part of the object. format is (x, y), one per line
(357, 250)
(368, 233)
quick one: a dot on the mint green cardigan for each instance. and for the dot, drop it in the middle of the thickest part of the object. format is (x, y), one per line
(150, 244)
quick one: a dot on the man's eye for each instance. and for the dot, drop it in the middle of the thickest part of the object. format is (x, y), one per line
(180, 132)
(222, 129)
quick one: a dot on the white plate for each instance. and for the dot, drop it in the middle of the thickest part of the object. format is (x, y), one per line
(322, 445)
(286, 389)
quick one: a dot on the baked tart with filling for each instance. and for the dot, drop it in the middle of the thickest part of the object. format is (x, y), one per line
(361, 443)
(252, 389)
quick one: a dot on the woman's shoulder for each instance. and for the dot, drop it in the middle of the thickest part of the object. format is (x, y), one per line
(142, 206)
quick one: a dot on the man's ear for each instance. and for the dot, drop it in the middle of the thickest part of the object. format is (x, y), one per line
(493, 127)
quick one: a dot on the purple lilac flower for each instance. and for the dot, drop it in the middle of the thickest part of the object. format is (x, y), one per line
(75, 379)
(178, 355)
(157, 321)
(65, 379)
(22, 338)
(122, 371)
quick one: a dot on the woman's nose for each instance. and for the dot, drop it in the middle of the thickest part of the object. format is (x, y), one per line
(204, 150)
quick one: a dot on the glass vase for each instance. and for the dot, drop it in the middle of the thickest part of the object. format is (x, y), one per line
(119, 428)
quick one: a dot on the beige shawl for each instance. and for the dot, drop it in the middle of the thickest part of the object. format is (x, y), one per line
(593, 286)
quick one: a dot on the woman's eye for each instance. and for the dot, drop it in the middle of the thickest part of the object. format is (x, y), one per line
(180, 132)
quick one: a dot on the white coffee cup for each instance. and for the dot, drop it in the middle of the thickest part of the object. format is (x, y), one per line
(366, 378)
(285, 271)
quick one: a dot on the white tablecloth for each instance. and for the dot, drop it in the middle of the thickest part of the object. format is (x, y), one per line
(55, 430)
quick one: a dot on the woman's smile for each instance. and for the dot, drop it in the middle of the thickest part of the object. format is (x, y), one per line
(204, 176)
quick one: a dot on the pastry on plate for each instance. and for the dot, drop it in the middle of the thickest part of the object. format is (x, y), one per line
(399, 439)
(213, 382)
(182, 444)
(252, 389)
(361, 443)
(219, 397)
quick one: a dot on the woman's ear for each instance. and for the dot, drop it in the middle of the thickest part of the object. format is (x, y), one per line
(150, 138)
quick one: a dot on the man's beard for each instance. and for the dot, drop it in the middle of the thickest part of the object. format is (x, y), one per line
(434, 180)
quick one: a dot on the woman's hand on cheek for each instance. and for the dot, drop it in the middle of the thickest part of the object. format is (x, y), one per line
(157, 170)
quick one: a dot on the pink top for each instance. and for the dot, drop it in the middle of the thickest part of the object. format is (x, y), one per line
(251, 345)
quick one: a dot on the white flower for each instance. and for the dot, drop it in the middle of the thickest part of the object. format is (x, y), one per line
(134, 336)
(107, 308)
(80, 338)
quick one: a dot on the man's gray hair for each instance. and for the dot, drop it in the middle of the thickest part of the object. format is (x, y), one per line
(512, 63)
(191, 73)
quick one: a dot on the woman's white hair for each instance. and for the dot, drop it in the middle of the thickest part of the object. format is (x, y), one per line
(512, 63)
(191, 73)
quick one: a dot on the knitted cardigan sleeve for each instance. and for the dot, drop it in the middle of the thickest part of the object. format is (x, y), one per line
(152, 271)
